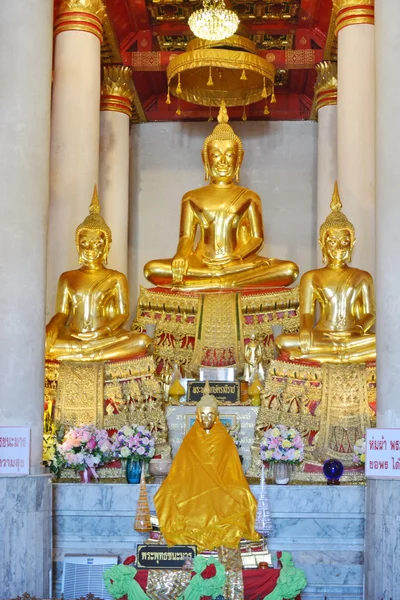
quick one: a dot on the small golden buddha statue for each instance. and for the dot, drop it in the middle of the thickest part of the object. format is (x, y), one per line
(92, 302)
(228, 219)
(253, 360)
(206, 500)
(345, 296)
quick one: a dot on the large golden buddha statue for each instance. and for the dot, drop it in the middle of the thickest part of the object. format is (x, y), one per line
(228, 218)
(346, 299)
(92, 302)
(206, 500)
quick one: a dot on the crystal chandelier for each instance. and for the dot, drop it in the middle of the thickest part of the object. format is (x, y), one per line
(213, 22)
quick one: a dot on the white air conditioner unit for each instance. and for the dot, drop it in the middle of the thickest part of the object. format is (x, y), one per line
(83, 574)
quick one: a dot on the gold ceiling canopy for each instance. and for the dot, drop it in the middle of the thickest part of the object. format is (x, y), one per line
(229, 70)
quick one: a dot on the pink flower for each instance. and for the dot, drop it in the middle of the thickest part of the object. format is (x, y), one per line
(91, 444)
(297, 442)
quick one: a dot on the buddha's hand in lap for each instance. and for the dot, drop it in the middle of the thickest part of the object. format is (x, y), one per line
(305, 338)
(51, 336)
(180, 266)
(92, 335)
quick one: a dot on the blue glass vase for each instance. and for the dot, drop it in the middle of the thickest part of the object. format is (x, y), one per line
(133, 470)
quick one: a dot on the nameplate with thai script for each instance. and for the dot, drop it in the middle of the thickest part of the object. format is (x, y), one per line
(164, 557)
(224, 391)
(382, 456)
(14, 450)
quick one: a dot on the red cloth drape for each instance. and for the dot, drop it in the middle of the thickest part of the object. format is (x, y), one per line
(258, 583)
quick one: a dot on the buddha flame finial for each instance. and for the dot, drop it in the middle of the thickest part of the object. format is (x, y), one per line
(336, 219)
(336, 203)
(94, 220)
(94, 208)
(223, 116)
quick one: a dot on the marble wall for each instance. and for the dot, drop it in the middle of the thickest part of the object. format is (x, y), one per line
(279, 164)
(25, 536)
(323, 527)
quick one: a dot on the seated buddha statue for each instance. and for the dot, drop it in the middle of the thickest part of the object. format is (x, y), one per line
(205, 499)
(345, 296)
(227, 220)
(92, 302)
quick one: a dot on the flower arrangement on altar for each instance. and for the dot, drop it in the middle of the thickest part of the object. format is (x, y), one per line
(86, 447)
(282, 443)
(134, 442)
(81, 448)
(359, 451)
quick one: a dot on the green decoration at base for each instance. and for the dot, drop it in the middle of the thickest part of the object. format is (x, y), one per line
(291, 581)
(120, 581)
(209, 580)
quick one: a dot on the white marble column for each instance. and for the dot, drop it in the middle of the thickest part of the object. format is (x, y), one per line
(326, 100)
(75, 132)
(25, 515)
(356, 123)
(115, 107)
(24, 196)
(382, 559)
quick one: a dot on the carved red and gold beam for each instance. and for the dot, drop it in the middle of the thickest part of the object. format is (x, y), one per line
(281, 59)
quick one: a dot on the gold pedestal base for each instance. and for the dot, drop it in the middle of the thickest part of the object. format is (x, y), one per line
(330, 405)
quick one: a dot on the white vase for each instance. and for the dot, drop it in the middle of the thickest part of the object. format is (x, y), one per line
(282, 471)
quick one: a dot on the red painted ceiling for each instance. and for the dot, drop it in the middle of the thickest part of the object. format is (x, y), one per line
(293, 33)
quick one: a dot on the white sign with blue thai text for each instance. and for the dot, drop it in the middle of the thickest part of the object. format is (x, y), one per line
(382, 459)
(14, 450)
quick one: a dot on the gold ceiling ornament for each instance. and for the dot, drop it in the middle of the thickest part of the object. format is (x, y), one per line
(117, 91)
(353, 12)
(213, 22)
(209, 72)
(81, 15)
(326, 85)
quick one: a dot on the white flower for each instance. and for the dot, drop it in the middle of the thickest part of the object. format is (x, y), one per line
(125, 452)
(140, 450)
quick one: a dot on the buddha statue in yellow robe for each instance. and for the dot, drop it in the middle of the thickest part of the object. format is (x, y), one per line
(205, 499)
(92, 302)
(346, 299)
(227, 219)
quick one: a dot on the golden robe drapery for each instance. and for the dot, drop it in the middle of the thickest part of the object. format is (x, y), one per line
(206, 500)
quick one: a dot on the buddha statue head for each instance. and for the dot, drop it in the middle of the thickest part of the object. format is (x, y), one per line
(93, 236)
(222, 151)
(207, 412)
(336, 234)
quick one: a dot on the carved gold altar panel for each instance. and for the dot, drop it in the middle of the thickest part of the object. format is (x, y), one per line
(330, 405)
(80, 394)
(109, 395)
(175, 316)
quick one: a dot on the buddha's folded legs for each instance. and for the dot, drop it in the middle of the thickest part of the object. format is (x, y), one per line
(255, 272)
(117, 346)
(329, 349)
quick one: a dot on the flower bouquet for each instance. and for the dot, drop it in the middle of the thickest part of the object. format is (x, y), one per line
(359, 452)
(85, 448)
(52, 457)
(281, 446)
(134, 442)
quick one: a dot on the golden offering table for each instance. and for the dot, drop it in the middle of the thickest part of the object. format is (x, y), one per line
(211, 328)
(330, 405)
(107, 394)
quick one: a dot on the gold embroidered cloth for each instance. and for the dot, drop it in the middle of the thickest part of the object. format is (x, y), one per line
(175, 316)
(330, 405)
